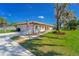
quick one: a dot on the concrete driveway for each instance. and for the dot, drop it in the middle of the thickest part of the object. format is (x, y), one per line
(9, 47)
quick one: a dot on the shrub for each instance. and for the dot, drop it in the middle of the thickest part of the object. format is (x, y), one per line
(7, 31)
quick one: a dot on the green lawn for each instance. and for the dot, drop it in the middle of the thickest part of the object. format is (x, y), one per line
(51, 44)
(7, 31)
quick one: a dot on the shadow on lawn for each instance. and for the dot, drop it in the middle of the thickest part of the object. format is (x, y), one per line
(29, 43)
(41, 53)
(47, 45)
(34, 48)
(53, 37)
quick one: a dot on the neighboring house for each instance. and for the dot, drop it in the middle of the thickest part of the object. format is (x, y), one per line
(2, 24)
(33, 27)
(8, 28)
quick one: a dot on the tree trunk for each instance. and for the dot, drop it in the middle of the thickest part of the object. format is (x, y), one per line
(58, 25)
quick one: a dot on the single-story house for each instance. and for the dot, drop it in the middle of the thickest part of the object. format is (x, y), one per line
(10, 28)
(33, 27)
(2, 24)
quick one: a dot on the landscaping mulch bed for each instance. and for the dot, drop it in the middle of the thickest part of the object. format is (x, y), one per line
(59, 33)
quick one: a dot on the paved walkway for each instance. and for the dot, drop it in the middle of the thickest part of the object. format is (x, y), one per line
(22, 39)
(11, 48)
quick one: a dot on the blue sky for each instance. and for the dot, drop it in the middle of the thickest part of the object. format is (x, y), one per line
(20, 12)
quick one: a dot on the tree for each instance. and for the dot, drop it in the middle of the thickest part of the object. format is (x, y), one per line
(3, 23)
(59, 9)
(72, 24)
(14, 24)
(67, 16)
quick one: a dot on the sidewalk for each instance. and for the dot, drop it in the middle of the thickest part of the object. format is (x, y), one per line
(11, 48)
(24, 38)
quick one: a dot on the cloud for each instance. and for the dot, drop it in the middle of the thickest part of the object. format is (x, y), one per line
(41, 17)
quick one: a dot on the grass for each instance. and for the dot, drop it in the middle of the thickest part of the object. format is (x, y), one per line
(7, 31)
(15, 37)
(50, 44)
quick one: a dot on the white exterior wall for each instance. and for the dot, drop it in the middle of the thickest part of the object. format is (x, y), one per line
(32, 29)
(51, 27)
(42, 29)
(25, 29)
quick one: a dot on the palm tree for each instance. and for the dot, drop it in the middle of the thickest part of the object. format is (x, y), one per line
(3, 23)
(59, 9)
